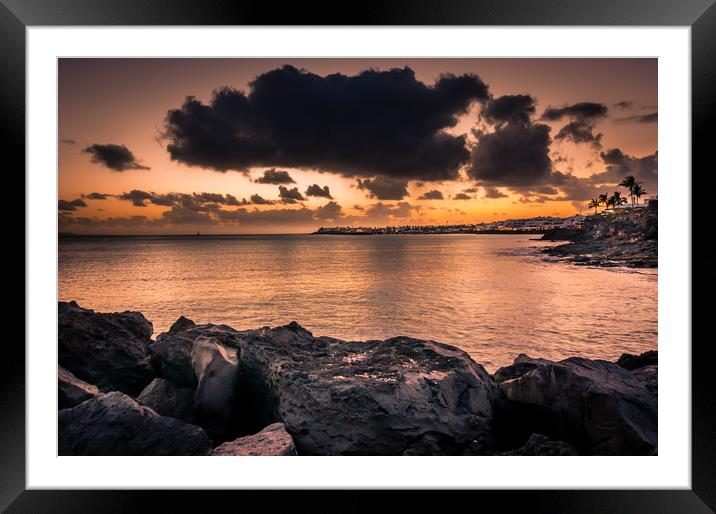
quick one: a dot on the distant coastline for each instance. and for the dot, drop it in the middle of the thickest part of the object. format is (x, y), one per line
(375, 232)
(537, 225)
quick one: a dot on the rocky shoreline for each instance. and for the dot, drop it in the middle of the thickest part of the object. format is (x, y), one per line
(616, 239)
(213, 390)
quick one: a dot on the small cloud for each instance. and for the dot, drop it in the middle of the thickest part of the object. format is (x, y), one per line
(260, 200)
(96, 196)
(493, 192)
(114, 157)
(624, 105)
(432, 195)
(384, 188)
(137, 197)
(65, 205)
(275, 177)
(651, 117)
(316, 190)
(292, 195)
(329, 211)
(462, 196)
(68, 141)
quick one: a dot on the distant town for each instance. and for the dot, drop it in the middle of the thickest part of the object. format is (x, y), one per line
(511, 226)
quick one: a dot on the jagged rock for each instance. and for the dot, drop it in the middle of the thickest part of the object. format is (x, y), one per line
(392, 397)
(272, 440)
(109, 350)
(521, 365)
(618, 239)
(71, 390)
(631, 362)
(596, 406)
(181, 325)
(539, 444)
(115, 424)
(215, 402)
(171, 353)
(169, 399)
(648, 376)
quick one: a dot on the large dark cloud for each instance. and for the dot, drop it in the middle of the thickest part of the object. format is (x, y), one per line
(516, 109)
(70, 205)
(583, 116)
(513, 155)
(289, 196)
(377, 122)
(432, 195)
(384, 188)
(316, 190)
(114, 157)
(276, 177)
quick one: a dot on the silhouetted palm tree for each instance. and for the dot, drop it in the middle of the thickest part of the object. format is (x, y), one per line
(629, 182)
(617, 200)
(638, 191)
(594, 202)
(605, 200)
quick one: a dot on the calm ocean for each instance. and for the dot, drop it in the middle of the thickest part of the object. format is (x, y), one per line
(492, 295)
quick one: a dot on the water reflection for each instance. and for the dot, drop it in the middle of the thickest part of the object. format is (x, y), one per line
(493, 296)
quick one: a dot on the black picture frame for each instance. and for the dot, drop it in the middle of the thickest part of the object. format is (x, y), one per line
(16, 15)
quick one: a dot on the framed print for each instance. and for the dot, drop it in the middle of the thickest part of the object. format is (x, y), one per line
(418, 248)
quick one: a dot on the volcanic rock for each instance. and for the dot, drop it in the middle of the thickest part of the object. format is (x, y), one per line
(109, 350)
(272, 440)
(597, 406)
(169, 399)
(115, 424)
(71, 390)
(392, 397)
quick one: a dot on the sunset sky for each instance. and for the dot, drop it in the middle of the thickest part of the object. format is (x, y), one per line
(227, 146)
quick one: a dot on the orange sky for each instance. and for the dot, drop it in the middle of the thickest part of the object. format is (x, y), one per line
(125, 102)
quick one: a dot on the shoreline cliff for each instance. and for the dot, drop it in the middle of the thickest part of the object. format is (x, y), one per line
(213, 390)
(628, 238)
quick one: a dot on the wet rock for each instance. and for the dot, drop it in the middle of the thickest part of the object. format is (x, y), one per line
(630, 361)
(181, 325)
(109, 350)
(115, 424)
(272, 440)
(596, 406)
(171, 353)
(169, 399)
(71, 390)
(392, 397)
(215, 400)
(539, 444)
